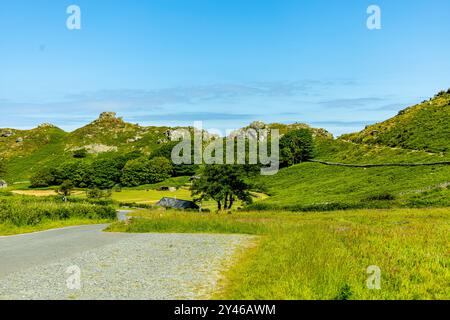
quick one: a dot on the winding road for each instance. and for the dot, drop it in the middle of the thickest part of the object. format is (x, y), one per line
(43, 265)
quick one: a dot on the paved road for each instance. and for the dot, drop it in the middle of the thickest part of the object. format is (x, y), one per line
(113, 265)
(24, 251)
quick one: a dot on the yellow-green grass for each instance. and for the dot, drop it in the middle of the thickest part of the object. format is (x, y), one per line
(8, 229)
(325, 255)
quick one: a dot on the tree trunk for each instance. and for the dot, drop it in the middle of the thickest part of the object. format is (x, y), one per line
(225, 205)
(231, 202)
(219, 205)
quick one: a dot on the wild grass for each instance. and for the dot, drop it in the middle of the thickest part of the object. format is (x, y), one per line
(32, 211)
(325, 255)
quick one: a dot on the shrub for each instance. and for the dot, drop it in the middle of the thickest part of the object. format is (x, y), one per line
(381, 196)
(80, 153)
(97, 193)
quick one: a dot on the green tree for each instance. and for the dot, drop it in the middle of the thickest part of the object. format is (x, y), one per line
(65, 189)
(224, 184)
(165, 151)
(295, 147)
(46, 177)
(79, 172)
(106, 173)
(144, 171)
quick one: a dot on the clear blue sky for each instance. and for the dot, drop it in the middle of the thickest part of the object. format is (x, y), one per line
(227, 62)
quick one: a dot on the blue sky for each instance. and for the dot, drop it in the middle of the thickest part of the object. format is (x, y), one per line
(226, 62)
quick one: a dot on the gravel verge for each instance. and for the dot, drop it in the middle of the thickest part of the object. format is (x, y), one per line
(144, 266)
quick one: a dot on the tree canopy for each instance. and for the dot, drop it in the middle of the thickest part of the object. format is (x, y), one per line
(146, 171)
(224, 184)
(295, 147)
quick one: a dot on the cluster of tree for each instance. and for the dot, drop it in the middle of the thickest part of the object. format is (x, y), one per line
(165, 151)
(128, 170)
(296, 146)
(224, 184)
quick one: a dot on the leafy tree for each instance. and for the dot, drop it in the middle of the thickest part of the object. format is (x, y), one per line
(144, 171)
(106, 173)
(65, 189)
(224, 184)
(79, 172)
(160, 169)
(46, 177)
(165, 151)
(295, 147)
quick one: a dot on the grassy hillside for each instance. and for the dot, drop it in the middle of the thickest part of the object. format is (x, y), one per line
(420, 134)
(109, 133)
(26, 151)
(425, 126)
(314, 186)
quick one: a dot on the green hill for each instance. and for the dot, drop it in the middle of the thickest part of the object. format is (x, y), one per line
(314, 186)
(425, 126)
(25, 151)
(419, 134)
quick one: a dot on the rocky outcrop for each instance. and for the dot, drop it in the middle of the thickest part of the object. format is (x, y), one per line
(6, 134)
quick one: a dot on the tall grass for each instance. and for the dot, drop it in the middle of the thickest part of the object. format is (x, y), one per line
(325, 255)
(25, 211)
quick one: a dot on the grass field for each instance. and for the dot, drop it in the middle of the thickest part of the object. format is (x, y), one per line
(325, 255)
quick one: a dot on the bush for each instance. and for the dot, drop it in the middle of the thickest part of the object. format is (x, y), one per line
(97, 193)
(80, 153)
(381, 196)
